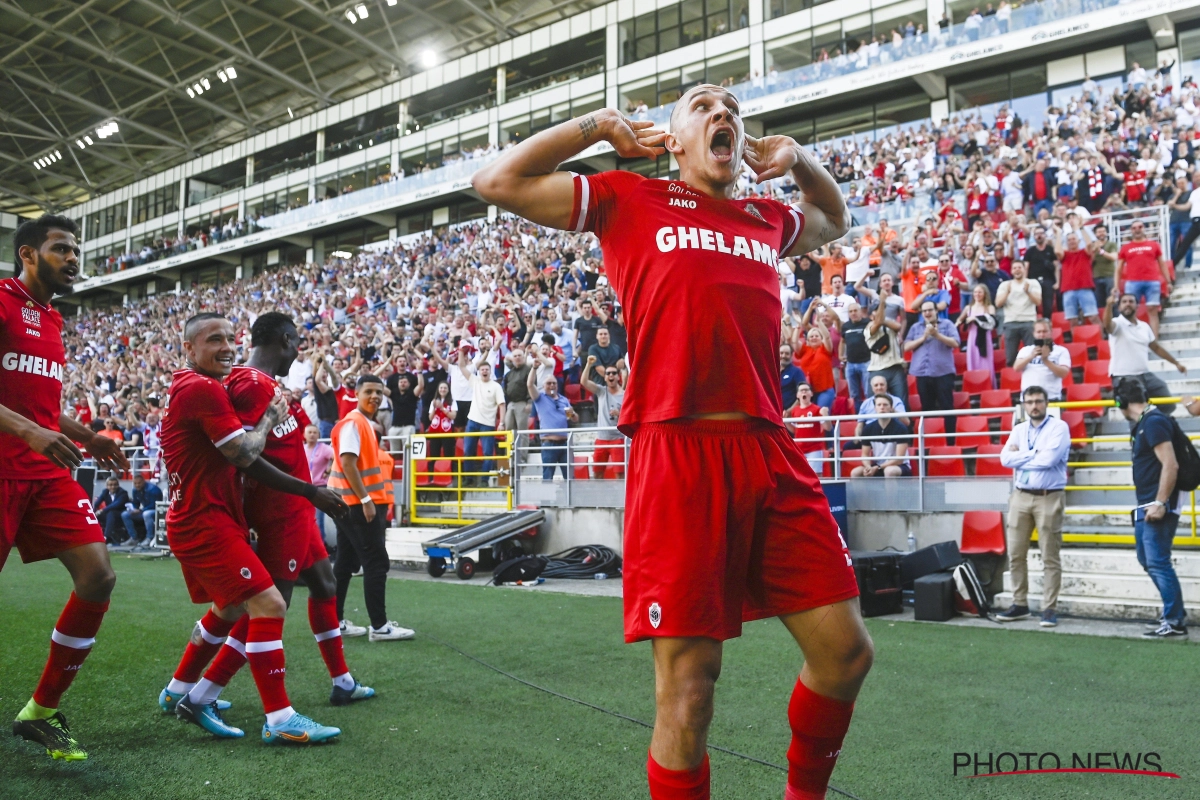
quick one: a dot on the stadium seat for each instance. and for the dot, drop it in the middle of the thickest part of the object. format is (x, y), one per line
(443, 473)
(960, 362)
(420, 471)
(1102, 349)
(580, 468)
(962, 400)
(1096, 371)
(949, 465)
(1058, 335)
(914, 401)
(1085, 391)
(935, 432)
(1079, 353)
(988, 461)
(972, 425)
(1006, 423)
(996, 398)
(998, 360)
(1088, 335)
(841, 388)
(1074, 420)
(982, 532)
(846, 430)
(912, 385)
(1010, 380)
(977, 381)
(850, 459)
(1143, 313)
(1059, 320)
(574, 393)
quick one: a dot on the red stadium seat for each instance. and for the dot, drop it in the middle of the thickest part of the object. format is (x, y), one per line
(443, 473)
(574, 393)
(850, 459)
(948, 465)
(1143, 313)
(988, 462)
(912, 385)
(914, 401)
(846, 430)
(1059, 320)
(420, 467)
(842, 388)
(1102, 350)
(972, 425)
(580, 468)
(1089, 335)
(996, 398)
(935, 432)
(1085, 391)
(962, 400)
(1057, 334)
(976, 381)
(1096, 372)
(960, 362)
(982, 532)
(1006, 423)
(1079, 353)
(998, 360)
(1074, 420)
(1010, 380)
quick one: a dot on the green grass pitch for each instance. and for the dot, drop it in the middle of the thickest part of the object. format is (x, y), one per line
(445, 727)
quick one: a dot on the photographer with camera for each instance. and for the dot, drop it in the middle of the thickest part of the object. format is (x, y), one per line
(1043, 363)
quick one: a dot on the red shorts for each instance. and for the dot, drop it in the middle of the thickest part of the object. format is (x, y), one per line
(45, 517)
(289, 544)
(725, 523)
(219, 565)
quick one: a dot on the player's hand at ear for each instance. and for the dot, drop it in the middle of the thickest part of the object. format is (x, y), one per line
(56, 446)
(633, 138)
(277, 410)
(771, 156)
(328, 502)
(108, 454)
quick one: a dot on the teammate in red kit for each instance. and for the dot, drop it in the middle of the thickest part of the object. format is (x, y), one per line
(43, 511)
(725, 522)
(289, 544)
(204, 445)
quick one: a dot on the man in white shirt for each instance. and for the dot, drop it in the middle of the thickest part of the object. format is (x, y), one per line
(1037, 451)
(838, 302)
(1043, 363)
(1130, 341)
(486, 414)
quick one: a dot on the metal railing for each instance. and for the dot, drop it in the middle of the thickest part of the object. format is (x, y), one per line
(456, 489)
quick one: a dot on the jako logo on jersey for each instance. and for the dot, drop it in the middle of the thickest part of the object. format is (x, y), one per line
(703, 239)
(284, 428)
(246, 573)
(33, 365)
(655, 615)
(682, 203)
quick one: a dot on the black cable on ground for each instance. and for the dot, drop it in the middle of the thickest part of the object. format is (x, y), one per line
(611, 713)
(582, 562)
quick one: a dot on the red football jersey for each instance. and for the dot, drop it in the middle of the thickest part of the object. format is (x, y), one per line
(251, 391)
(31, 376)
(197, 419)
(1141, 260)
(697, 278)
(346, 400)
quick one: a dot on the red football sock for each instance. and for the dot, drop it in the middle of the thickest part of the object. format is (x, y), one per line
(670, 784)
(264, 650)
(818, 725)
(70, 644)
(322, 616)
(232, 656)
(212, 631)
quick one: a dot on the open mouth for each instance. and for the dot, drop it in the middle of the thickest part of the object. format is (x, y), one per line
(70, 274)
(722, 144)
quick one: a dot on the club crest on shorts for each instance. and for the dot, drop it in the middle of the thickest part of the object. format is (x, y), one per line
(292, 565)
(655, 615)
(246, 573)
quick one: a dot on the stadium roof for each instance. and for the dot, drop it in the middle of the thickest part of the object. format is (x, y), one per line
(70, 67)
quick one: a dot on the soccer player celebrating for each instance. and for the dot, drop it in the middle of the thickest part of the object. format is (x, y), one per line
(289, 544)
(725, 521)
(204, 445)
(43, 511)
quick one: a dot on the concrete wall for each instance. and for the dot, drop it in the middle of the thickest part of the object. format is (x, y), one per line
(869, 530)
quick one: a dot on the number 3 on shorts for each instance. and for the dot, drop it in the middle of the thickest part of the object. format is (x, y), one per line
(86, 505)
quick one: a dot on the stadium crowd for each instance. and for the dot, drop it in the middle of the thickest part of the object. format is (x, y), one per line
(924, 312)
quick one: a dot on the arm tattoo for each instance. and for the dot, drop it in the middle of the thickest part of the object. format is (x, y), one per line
(588, 126)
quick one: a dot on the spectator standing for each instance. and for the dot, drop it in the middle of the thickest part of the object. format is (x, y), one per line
(1041, 262)
(406, 395)
(325, 384)
(109, 506)
(554, 413)
(809, 434)
(1037, 451)
(889, 439)
(1104, 263)
(1043, 364)
(605, 352)
(933, 342)
(855, 354)
(586, 325)
(141, 504)
(790, 376)
(883, 339)
(1143, 271)
(979, 320)
(986, 270)
(486, 414)
(1074, 279)
(443, 410)
(1183, 248)
(320, 463)
(1019, 298)
(516, 395)
(610, 396)
(1131, 342)
(1156, 516)
(816, 357)
(1038, 186)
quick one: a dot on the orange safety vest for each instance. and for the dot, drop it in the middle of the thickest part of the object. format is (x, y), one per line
(387, 466)
(368, 463)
